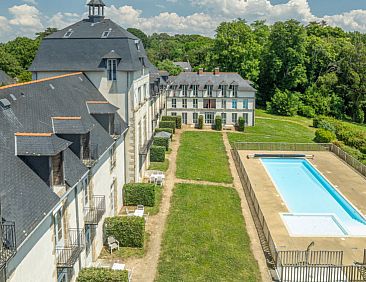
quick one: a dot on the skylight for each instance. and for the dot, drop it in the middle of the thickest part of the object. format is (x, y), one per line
(68, 33)
(105, 34)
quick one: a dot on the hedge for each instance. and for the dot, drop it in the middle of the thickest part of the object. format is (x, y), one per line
(128, 230)
(168, 124)
(324, 136)
(169, 130)
(157, 154)
(139, 194)
(161, 141)
(241, 123)
(218, 123)
(102, 275)
(176, 119)
(200, 122)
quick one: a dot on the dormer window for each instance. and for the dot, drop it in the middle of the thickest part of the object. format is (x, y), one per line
(68, 33)
(137, 43)
(112, 69)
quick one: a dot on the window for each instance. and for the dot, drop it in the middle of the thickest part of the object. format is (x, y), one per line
(223, 104)
(234, 118)
(209, 90)
(195, 118)
(58, 226)
(209, 103)
(68, 33)
(195, 103)
(185, 90)
(173, 114)
(245, 104)
(209, 118)
(113, 158)
(235, 90)
(137, 43)
(234, 104)
(245, 116)
(112, 70)
(223, 90)
(86, 192)
(184, 103)
(195, 90)
(184, 118)
(88, 240)
(145, 91)
(111, 195)
(174, 103)
(105, 34)
(223, 117)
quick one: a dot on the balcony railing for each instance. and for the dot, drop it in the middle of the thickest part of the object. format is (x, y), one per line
(91, 155)
(74, 244)
(94, 213)
(8, 243)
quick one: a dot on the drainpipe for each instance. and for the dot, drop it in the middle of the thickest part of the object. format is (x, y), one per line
(77, 221)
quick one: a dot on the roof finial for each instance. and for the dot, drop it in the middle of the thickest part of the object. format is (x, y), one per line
(96, 10)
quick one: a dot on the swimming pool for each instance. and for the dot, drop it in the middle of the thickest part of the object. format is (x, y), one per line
(307, 193)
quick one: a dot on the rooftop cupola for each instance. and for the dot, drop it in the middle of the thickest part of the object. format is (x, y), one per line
(96, 10)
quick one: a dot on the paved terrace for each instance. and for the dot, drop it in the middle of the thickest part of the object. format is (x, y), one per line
(350, 183)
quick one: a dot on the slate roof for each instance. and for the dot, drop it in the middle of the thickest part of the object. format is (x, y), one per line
(24, 196)
(208, 78)
(96, 3)
(39, 144)
(70, 125)
(5, 79)
(101, 107)
(186, 66)
(85, 48)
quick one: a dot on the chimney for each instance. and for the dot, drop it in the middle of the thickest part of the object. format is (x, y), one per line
(217, 71)
(200, 71)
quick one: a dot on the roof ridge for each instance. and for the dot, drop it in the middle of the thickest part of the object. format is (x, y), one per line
(39, 80)
(33, 134)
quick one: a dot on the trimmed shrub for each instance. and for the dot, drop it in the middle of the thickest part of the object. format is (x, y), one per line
(168, 124)
(139, 194)
(169, 130)
(218, 123)
(241, 123)
(128, 230)
(161, 141)
(102, 275)
(324, 136)
(200, 122)
(157, 154)
(176, 119)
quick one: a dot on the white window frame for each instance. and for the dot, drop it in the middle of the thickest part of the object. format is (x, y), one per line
(184, 103)
(111, 69)
(223, 104)
(245, 104)
(195, 103)
(184, 118)
(174, 103)
(234, 104)
(224, 118)
(234, 120)
(195, 118)
(85, 185)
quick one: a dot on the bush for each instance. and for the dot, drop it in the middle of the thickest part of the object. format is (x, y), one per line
(128, 230)
(139, 194)
(324, 136)
(284, 103)
(218, 123)
(176, 119)
(161, 141)
(306, 111)
(168, 124)
(200, 122)
(157, 154)
(169, 130)
(241, 123)
(102, 275)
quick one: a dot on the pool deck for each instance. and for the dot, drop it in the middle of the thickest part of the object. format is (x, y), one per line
(348, 182)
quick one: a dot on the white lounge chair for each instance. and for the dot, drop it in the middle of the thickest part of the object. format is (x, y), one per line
(113, 244)
(159, 180)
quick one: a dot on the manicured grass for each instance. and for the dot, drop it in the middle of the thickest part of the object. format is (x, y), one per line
(275, 130)
(159, 166)
(158, 196)
(205, 238)
(202, 156)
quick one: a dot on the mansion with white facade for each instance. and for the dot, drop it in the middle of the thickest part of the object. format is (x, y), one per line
(209, 94)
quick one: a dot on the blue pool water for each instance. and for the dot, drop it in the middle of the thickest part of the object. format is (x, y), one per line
(306, 191)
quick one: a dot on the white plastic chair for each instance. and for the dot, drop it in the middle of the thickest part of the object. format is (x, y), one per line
(113, 244)
(129, 213)
(159, 180)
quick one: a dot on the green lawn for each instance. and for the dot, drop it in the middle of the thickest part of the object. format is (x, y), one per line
(205, 238)
(159, 166)
(202, 156)
(275, 129)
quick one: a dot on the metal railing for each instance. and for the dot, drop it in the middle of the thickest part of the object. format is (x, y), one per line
(8, 242)
(91, 155)
(351, 161)
(73, 245)
(300, 258)
(94, 213)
